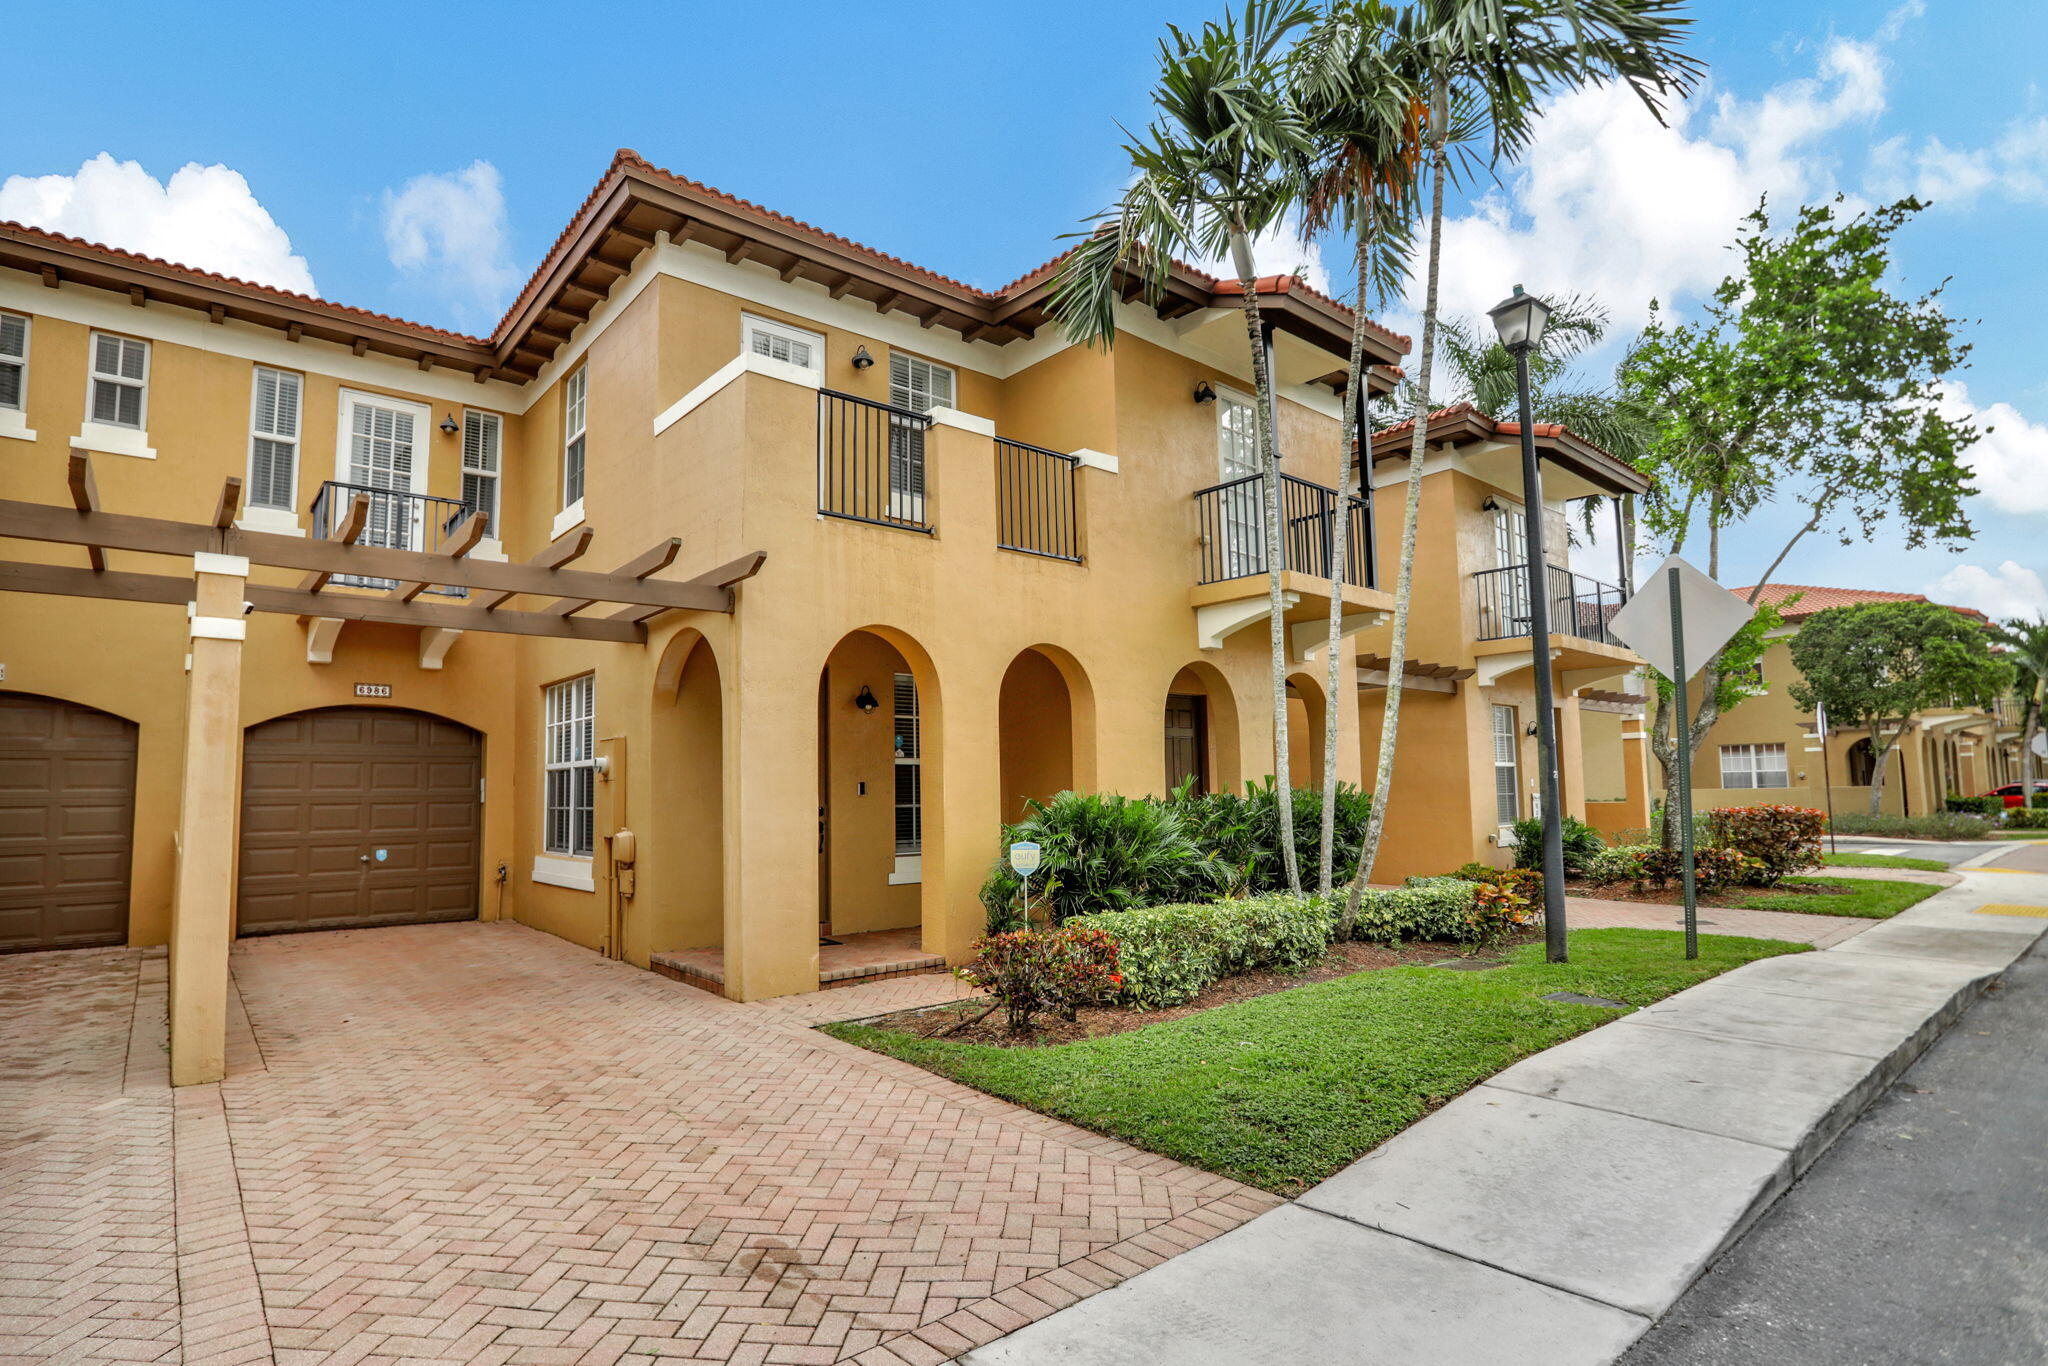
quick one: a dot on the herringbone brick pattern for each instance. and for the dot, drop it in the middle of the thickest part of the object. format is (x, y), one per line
(479, 1144)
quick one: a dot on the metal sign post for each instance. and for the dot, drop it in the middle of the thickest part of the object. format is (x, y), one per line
(1827, 773)
(1683, 723)
(1024, 860)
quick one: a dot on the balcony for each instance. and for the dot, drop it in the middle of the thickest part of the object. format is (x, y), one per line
(1231, 590)
(871, 462)
(1035, 501)
(1580, 610)
(397, 520)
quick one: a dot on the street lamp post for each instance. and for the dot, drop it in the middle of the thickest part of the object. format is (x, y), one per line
(1519, 320)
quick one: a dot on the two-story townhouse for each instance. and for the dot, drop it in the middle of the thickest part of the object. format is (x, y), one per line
(882, 555)
(1768, 749)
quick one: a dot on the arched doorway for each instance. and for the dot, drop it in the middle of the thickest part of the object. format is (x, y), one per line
(1305, 717)
(359, 816)
(680, 901)
(1044, 715)
(875, 693)
(1201, 731)
(67, 823)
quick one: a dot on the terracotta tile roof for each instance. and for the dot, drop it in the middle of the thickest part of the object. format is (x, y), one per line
(1550, 430)
(1817, 598)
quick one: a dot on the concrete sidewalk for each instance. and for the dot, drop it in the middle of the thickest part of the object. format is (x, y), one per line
(1551, 1214)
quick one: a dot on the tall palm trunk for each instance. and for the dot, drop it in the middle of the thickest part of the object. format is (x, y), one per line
(1354, 408)
(1418, 449)
(1266, 421)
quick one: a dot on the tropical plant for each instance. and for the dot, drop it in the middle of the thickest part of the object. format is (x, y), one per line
(1782, 839)
(1218, 167)
(1171, 954)
(1581, 842)
(1242, 831)
(2026, 645)
(1876, 664)
(1027, 972)
(1951, 825)
(1098, 852)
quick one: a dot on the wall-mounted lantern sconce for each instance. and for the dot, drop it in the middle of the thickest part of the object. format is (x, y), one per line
(1205, 392)
(1491, 504)
(861, 359)
(866, 700)
(448, 426)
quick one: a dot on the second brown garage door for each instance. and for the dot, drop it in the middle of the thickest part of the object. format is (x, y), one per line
(67, 810)
(359, 816)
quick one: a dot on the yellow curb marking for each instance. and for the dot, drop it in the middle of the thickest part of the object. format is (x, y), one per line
(2038, 912)
(2023, 872)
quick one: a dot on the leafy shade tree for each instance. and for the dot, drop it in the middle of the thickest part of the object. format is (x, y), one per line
(1806, 383)
(1876, 665)
(2026, 645)
(1219, 166)
(1480, 67)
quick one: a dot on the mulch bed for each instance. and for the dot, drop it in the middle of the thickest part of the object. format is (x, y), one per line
(1728, 898)
(1342, 960)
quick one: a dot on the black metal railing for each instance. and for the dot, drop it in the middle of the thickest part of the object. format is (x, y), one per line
(397, 521)
(1579, 606)
(1035, 509)
(1232, 519)
(871, 462)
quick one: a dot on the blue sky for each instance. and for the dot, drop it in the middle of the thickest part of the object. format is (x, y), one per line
(419, 159)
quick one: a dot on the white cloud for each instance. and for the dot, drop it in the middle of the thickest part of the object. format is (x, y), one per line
(1955, 177)
(2011, 590)
(2010, 457)
(204, 216)
(451, 228)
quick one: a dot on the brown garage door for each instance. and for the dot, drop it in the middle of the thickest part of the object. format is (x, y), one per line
(358, 816)
(67, 815)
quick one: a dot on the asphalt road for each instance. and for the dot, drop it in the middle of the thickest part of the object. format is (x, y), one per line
(1921, 1237)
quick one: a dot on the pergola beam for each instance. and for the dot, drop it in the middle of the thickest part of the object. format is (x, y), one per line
(723, 577)
(565, 548)
(348, 533)
(653, 562)
(461, 541)
(85, 497)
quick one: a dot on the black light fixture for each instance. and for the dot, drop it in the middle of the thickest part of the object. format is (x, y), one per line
(865, 699)
(1518, 320)
(448, 425)
(862, 361)
(1492, 504)
(1205, 392)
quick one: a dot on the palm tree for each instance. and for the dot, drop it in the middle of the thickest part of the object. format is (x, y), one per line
(1217, 168)
(1365, 118)
(2027, 644)
(1483, 64)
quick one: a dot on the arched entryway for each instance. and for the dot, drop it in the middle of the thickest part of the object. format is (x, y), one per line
(1201, 731)
(680, 876)
(875, 695)
(1306, 714)
(67, 823)
(359, 816)
(1046, 722)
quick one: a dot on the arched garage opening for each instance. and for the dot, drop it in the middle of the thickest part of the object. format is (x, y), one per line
(358, 816)
(67, 823)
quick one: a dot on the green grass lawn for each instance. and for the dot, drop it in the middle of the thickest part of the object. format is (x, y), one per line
(1921, 865)
(1282, 1090)
(1866, 897)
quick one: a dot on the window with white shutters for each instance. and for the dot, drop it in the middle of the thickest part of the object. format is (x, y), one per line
(13, 361)
(574, 395)
(1243, 507)
(1754, 766)
(569, 820)
(274, 438)
(919, 386)
(482, 442)
(780, 341)
(909, 771)
(120, 381)
(1507, 768)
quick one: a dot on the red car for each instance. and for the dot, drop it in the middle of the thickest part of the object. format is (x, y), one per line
(2010, 793)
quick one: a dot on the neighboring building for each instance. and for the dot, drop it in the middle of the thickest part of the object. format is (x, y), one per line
(891, 556)
(1767, 750)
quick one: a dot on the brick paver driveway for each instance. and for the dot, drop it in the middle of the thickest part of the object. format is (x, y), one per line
(476, 1143)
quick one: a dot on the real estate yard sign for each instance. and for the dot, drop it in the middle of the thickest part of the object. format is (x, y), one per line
(1689, 620)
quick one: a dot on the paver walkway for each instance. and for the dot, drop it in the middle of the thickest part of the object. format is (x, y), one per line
(477, 1143)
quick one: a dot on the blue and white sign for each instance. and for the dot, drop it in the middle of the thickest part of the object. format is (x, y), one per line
(1024, 857)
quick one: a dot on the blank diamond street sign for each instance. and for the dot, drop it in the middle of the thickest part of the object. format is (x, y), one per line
(1711, 615)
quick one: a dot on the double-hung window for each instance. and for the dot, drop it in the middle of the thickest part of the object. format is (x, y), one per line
(1241, 518)
(1754, 766)
(13, 362)
(780, 341)
(574, 394)
(274, 401)
(919, 386)
(120, 381)
(483, 436)
(1507, 767)
(909, 757)
(570, 817)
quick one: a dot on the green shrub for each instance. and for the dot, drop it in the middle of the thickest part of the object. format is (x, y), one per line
(1581, 842)
(1976, 806)
(1101, 852)
(1781, 839)
(1169, 955)
(1619, 863)
(1652, 865)
(1951, 825)
(2039, 799)
(1438, 908)
(1027, 972)
(1523, 882)
(2027, 818)
(1242, 832)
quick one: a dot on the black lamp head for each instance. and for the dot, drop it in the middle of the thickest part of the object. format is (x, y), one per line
(861, 359)
(448, 426)
(1205, 392)
(865, 699)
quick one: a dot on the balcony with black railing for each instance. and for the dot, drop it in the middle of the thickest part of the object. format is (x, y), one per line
(1232, 521)
(1579, 606)
(396, 520)
(1036, 507)
(871, 462)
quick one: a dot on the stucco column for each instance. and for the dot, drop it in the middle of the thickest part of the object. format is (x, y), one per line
(771, 811)
(1635, 763)
(1343, 714)
(1571, 753)
(203, 894)
(963, 811)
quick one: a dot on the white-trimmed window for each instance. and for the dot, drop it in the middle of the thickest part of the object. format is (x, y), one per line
(780, 341)
(483, 440)
(13, 361)
(571, 815)
(919, 386)
(574, 396)
(1242, 507)
(909, 758)
(1507, 766)
(274, 403)
(120, 381)
(1754, 766)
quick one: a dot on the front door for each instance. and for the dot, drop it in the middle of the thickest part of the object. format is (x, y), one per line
(379, 442)
(1244, 508)
(1509, 602)
(1186, 741)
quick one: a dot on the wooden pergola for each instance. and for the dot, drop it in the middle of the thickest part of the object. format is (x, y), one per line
(218, 596)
